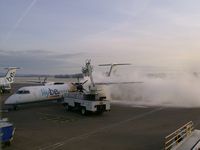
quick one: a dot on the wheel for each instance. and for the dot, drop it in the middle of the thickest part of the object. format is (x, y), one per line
(60, 100)
(67, 107)
(83, 111)
(5, 144)
(100, 112)
(8, 143)
(15, 107)
(1, 91)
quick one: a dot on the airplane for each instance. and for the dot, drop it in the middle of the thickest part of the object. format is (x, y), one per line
(108, 74)
(5, 82)
(56, 90)
(48, 92)
(30, 94)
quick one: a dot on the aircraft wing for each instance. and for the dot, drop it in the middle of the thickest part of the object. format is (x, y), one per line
(111, 83)
(115, 64)
(39, 80)
(33, 81)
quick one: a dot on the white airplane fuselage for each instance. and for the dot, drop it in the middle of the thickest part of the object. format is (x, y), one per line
(37, 93)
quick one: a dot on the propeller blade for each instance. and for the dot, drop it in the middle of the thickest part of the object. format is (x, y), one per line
(84, 82)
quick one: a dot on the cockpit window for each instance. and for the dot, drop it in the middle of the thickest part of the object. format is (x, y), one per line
(23, 92)
(26, 92)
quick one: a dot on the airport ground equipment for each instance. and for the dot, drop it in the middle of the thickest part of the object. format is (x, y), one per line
(6, 132)
(184, 138)
(86, 100)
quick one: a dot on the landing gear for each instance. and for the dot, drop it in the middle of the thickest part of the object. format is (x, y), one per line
(83, 111)
(15, 107)
(1, 91)
(67, 107)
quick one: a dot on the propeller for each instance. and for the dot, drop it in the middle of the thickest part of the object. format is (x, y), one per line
(79, 86)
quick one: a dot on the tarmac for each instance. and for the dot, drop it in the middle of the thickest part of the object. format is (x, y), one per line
(48, 126)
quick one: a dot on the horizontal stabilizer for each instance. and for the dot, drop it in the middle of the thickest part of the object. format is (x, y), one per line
(10, 68)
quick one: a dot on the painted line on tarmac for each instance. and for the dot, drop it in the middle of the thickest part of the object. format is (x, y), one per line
(83, 136)
(56, 118)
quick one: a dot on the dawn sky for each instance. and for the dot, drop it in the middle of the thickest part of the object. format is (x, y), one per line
(56, 36)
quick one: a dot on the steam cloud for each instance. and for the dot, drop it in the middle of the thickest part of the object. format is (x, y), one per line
(177, 89)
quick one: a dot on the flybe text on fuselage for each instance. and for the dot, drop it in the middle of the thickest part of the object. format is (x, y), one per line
(50, 93)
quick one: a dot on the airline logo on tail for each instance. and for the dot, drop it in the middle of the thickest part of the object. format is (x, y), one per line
(10, 76)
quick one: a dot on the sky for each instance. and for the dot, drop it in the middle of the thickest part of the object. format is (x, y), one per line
(56, 36)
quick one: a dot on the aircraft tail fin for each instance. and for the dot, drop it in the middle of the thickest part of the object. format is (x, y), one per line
(113, 65)
(11, 74)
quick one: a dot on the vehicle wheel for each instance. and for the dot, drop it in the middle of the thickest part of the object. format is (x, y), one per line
(1, 91)
(83, 111)
(67, 107)
(7, 143)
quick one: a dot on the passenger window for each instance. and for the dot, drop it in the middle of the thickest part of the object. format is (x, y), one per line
(26, 92)
(19, 92)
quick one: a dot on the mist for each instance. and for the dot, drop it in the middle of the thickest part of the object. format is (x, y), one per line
(159, 88)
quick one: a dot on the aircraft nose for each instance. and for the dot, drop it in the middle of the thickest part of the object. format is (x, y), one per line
(10, 100)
